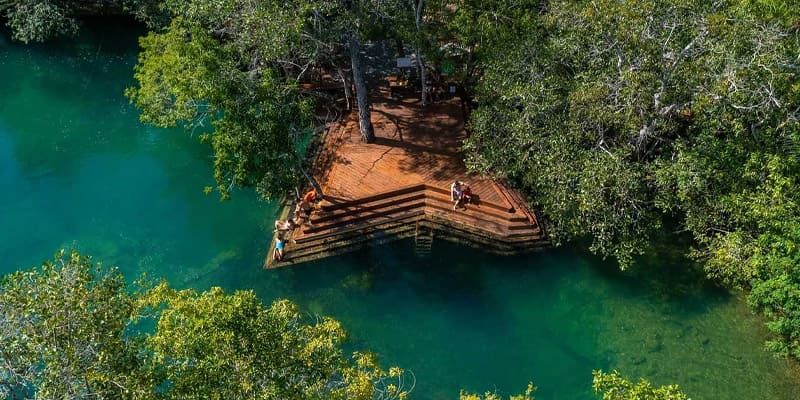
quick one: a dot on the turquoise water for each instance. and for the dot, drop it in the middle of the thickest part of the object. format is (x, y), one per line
(78, 170)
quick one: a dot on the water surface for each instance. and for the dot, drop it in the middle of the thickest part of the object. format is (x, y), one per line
(77, 169)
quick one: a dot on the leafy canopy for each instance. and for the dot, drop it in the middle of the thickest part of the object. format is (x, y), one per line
(62, 332)
(208, 76)
(595, 111)
(612, 386)
(528, 395)
(620, 118)
(36, 20)
(230, 69)
(70, 329)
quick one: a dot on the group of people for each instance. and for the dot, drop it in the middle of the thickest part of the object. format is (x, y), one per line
(304, 206)
(460, 194)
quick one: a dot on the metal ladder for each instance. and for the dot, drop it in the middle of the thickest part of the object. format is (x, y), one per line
(423, 241)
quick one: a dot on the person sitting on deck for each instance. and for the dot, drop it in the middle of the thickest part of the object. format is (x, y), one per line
(466, 194)
(302, 213)
(310, 197)
(455, 193)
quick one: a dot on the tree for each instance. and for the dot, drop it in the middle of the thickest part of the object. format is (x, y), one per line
(62, 332)
(362, 95)
(612, 386)
(39, 20)
(35, 20)
(599, 102)
(230, 69)
(70, 329)
(216, 69)
(469, 32)
(213, 345)
(621, 117)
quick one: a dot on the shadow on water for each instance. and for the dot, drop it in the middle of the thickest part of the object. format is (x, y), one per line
(665, 275)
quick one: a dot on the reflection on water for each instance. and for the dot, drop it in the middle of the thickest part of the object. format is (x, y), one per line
(78, 170)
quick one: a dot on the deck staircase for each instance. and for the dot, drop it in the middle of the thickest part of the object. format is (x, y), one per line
(415, 211)
(423, 241)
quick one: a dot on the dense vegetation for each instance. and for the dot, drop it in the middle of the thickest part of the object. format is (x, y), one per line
(71, 329)
(39, 20)
(625, 118)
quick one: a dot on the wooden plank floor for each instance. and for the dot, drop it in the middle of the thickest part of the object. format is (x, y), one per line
(413, 145)
(381, 191)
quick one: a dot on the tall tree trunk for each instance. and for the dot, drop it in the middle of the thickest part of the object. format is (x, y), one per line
(422, 73)
(422, 78)
(364, 121)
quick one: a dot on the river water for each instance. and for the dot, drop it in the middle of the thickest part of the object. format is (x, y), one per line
(77, 170)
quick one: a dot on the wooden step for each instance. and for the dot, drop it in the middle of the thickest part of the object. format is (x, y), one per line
(356, 238)
(376, 216)
(436, 196)
(372, 239)
(493, 227)
(407, 230)
(478, 216)
(309, 242)
(330, 206)
(499, 230)
(383, 207)
(325, 216)
(484, 203)
(450, 224)
(480, 239)
(517, 197)
(433, 199)
(396, 215)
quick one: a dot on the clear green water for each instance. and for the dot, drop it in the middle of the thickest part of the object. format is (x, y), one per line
(78, 170)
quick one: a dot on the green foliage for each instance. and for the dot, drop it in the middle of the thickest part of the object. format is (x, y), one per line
(528, 395)
(612, 386)
(37, 20)
(226, 87)
(230, 69)
(62, 332)
(216, 345)
(469, 32)
(617, 116)
(70, 330)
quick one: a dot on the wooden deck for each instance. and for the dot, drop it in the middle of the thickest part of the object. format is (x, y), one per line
(399, 185)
